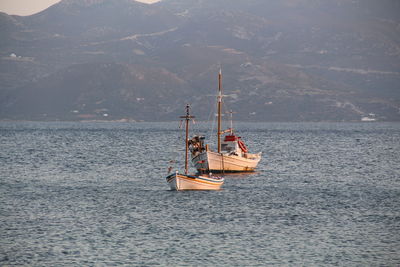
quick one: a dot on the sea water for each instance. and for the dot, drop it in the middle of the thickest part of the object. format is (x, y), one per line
(95, 194)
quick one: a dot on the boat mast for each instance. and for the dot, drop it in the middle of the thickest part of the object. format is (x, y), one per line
(187, 118)
(219, 104)
(231, 129)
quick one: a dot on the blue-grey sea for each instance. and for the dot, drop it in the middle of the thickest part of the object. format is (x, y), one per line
(94, 194)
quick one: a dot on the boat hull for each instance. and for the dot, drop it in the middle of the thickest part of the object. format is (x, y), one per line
(189, 182)
(208, 161)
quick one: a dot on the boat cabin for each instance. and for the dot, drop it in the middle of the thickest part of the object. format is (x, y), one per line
(232, 144)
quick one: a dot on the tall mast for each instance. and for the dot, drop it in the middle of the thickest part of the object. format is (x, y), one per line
(219, 104)
(187, 119)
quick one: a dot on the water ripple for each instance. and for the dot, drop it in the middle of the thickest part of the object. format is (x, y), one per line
(75, 194)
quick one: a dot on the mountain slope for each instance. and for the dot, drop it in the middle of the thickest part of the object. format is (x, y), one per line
(303, 60)
(103, 91)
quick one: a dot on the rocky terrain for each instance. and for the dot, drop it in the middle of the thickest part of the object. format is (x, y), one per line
(288, 60)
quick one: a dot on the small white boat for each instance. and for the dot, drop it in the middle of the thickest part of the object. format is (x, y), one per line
(179, 181)
(232, 154)
(370, 118)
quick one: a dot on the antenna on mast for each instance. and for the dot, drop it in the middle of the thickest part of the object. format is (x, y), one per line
(231, 117)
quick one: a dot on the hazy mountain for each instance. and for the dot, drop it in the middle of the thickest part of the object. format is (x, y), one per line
(287, 60)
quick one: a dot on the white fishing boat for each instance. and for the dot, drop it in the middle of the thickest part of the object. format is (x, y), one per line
(179, 181)
(194, 182)
(232, 154)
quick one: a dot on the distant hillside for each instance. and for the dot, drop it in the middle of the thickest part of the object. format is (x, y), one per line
(303, 60)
